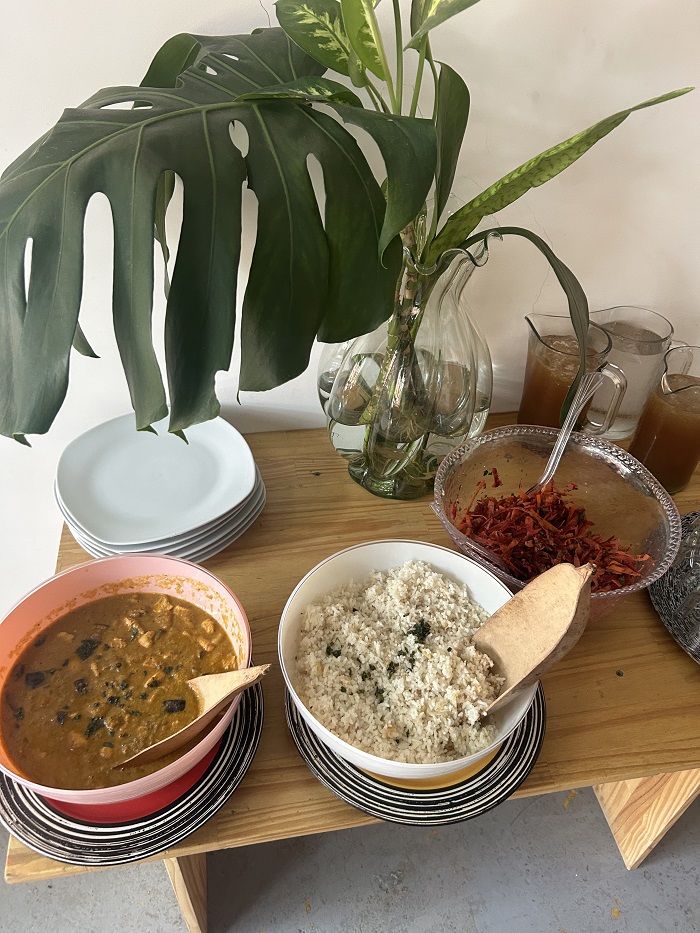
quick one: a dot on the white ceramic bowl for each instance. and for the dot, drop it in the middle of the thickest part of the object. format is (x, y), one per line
(356, 563)
(124, 573)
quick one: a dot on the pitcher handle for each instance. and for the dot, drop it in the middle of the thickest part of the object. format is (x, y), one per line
(619, 381)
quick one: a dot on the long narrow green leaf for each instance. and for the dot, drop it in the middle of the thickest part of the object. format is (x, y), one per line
(363, 32)
(531, 174)
(433, 13)
(451, 123)
(317, 27)
(575, 295)
(416, 15)
(313, 90)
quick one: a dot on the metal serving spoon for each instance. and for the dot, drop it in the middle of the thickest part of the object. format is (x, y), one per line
(589, 385)
(214, 692)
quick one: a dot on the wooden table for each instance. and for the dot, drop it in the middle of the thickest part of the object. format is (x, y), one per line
(621, 707)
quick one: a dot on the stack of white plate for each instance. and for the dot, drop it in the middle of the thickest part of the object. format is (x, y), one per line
(123, 490)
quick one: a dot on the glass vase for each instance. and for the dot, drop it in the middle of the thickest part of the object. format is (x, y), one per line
(399, 399)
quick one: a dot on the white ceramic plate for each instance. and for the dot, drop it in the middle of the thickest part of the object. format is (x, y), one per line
(128, 487)
(197, 551)
(190, 539)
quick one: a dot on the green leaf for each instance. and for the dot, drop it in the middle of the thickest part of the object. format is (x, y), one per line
(302, 263)
(416, 15)
(364, 35)
(80, 343)
(451, 124)
(408, 147)
(174, 57)
(317, 27)
(313, 90)
(575, 295)
(531, 174)
(432, 13)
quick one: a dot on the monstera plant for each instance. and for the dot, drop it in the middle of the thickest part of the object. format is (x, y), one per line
(325, 265)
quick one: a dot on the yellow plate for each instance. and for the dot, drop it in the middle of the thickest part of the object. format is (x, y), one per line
(442, 780)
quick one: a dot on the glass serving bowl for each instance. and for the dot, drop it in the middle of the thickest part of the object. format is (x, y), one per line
(620, 496)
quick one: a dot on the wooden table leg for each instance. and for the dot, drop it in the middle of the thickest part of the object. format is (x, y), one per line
(639, 812)
(188, 875)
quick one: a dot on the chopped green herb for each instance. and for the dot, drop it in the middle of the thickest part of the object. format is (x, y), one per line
(379, 694)
(420, 630)
(108, 744)
(343, 690)
(94, 726)
(174, 706)
(134, 632)
(330, 650)
(365, 675)
(391, 668)
(87, 647)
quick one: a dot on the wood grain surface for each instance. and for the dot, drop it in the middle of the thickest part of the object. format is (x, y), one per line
(622, 705)
(188, 876)
(640, 811)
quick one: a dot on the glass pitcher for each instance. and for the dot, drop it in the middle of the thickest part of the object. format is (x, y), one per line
(552, 364)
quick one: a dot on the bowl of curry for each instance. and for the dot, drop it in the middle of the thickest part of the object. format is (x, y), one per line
(94, 665)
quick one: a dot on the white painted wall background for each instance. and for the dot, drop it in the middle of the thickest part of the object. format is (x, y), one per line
(625, 218)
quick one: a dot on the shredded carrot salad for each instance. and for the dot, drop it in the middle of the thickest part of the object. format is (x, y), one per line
(531, 533)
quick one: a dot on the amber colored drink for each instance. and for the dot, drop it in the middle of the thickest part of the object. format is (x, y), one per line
(548, 375)
(667, 439)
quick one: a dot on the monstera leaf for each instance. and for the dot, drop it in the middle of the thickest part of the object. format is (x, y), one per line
(317, 269)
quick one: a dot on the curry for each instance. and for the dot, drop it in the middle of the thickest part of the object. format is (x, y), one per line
(105, 681)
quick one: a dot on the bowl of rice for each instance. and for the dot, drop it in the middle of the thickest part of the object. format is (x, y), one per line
(376, 652)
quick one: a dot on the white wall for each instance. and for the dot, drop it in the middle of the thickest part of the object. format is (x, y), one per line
(624, 218)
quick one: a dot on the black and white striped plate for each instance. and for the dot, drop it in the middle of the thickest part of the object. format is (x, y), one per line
(471, 797)
(38, 825)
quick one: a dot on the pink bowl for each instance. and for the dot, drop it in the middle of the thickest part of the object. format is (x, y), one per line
(124, 573)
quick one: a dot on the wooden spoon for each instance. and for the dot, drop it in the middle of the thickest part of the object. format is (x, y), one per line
(537, 627)
(214, 692)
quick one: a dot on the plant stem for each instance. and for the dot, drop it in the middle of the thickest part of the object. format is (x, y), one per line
(399, 55)
(431, 62)
(374, 92)
(381, 52)
(419, 77)
(434, 217)
(373, 97)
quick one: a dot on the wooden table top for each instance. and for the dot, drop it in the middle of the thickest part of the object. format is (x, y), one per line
(623, 704)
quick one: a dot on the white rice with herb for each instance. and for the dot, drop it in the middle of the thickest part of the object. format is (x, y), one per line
(387, 665)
